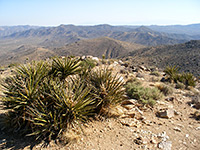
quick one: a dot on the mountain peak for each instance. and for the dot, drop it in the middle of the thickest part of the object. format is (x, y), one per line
(143, 29)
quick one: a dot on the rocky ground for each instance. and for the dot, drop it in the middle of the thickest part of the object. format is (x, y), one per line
(172, 124)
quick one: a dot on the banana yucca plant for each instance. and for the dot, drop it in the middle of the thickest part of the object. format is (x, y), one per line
(40, 104)
(188, 79)
(43, 106)
(109, 88)
(172, 72)
(21, 91)
(64, 67)
(62, 109)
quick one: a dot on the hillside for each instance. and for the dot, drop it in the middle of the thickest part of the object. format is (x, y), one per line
(186, 56)
(25, 53)
(96, 47)
(146, 36)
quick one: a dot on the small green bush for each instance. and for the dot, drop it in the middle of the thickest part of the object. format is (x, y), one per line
(187, 79)
(144, 95)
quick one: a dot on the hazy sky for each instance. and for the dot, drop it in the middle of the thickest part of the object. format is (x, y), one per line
(90, 12)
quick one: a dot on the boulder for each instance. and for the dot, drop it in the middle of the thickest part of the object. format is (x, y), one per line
(165, 145)
(169, 113)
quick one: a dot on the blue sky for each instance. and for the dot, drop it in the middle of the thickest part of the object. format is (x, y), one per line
(91, 12)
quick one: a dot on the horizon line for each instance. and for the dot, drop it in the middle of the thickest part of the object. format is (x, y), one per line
(100, 24)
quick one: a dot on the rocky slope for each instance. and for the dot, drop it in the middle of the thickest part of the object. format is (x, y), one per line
(186, 56)
(173, 123)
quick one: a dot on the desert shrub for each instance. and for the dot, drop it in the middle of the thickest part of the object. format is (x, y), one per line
(88, 63)
(108, 88)
(188, 79)
(61, 109)
(142, 94)
(165, 89)
(171, 72)
(43, 106)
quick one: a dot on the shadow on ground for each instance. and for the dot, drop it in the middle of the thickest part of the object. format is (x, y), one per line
(13, 141)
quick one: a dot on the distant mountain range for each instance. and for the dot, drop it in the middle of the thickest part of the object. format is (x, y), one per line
(191, 29)
(7, 30)
(153, 45)
(65, 34)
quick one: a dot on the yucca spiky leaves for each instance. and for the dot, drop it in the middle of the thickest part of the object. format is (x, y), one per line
(43, 106)
(21, 91)
(171, 72)
(65, 107)
(108, 87)
(188, 79)
(64, 67)
(45, 100)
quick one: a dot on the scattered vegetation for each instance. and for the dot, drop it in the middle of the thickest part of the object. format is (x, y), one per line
(145, 95)
(45, 100)
(171, 72)
(187, 79)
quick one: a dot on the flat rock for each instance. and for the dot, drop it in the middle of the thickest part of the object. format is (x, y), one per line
(165, 145)
(169, 113)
